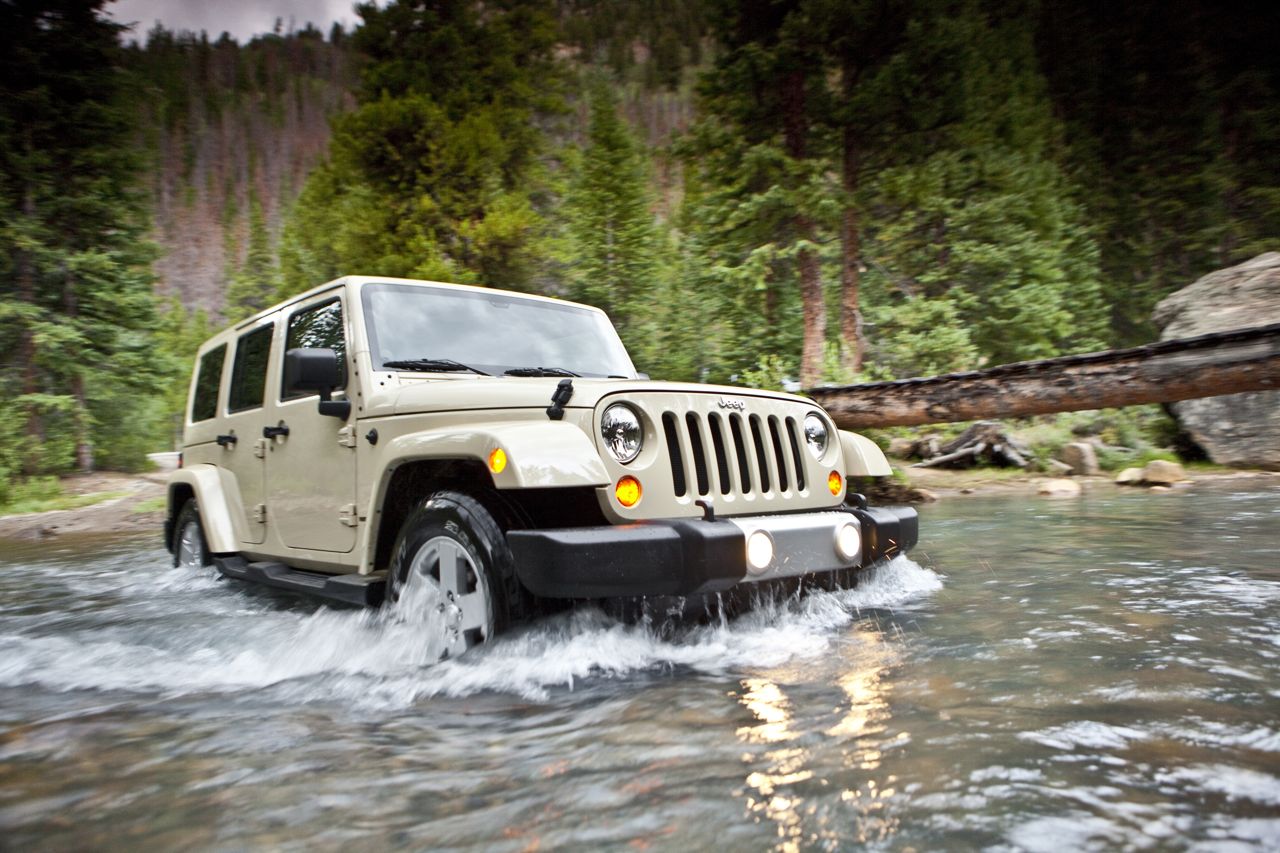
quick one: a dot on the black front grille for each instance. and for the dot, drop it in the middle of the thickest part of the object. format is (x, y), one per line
(733, 454)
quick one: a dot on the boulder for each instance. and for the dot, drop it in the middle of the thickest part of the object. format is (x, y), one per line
(1163, 473)
(1058, 488)
(1236, 429)
(1057, 469)
(901, 448)
(1130, 477)
(1080, 456)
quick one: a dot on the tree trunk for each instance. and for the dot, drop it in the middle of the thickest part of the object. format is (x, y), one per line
(24, 272)
(795, 125)
(84, 438)
(852, 343)
(1166, 372)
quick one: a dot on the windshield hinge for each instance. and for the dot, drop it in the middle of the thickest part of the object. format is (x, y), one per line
(260, 447)
(347, 436)
(347, 515)
(260, 513)
(561, 396)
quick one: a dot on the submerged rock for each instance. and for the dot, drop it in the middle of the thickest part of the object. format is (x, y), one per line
(1235, 429)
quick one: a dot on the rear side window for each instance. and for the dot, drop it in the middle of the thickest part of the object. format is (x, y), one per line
(249, 373)
(317, 326)
(204, 403)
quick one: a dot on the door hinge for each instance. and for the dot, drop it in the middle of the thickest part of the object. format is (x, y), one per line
(347, 436)
(347, 515)
(260, 447)
(260, 513)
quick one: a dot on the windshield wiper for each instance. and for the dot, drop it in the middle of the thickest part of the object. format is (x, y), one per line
(440, 365)
(539, 371)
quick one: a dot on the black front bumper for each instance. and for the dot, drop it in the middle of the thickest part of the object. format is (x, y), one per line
(677, 557)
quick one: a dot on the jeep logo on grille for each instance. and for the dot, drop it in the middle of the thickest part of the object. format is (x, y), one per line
(727, 403)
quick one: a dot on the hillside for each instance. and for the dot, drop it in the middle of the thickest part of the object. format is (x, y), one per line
(229, 127)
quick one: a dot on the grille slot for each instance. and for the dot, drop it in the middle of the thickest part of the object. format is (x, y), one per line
(671, 428)
(792, 431)
(722, 458)
(762, 459)
(775, 432)
(740, 451)
(698, 447)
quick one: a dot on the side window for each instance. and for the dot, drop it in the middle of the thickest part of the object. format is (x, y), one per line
(249, 372)
(204, 403)
(317, 326)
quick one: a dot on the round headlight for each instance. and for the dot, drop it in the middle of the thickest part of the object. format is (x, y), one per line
(622, 433)
(816, 435)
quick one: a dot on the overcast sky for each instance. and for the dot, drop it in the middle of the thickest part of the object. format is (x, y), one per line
(242, 18)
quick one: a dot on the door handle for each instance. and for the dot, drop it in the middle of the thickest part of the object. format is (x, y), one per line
(226, 441)
(281, 430)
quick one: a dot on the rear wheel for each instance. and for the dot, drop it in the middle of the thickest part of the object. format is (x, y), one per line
(451, 566)
(190, 550)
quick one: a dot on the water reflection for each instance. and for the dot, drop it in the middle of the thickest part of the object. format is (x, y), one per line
(814, 781)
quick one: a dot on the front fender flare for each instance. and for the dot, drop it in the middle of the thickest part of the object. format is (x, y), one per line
(206, 481)
(862, 456)
(539, 455)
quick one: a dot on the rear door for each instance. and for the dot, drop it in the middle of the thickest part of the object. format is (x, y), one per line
(311, 473)
(244, 418)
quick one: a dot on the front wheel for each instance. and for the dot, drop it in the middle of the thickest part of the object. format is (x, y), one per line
(451, 566)
(190, 550)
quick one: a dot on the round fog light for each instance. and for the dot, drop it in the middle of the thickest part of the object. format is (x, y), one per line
(849, 541)
(759, 551)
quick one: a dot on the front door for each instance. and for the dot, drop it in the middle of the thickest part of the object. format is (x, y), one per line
(311, 472)
(245, 417)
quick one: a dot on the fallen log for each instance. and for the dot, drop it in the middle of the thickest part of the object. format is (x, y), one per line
(1165, 372)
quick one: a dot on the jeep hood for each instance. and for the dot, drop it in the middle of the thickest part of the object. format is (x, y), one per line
(452, 395)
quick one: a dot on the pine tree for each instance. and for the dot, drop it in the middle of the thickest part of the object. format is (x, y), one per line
(757, 148)
(614, 243)
(436, 173)
(977, 213)
(255, 285)
(76, 293)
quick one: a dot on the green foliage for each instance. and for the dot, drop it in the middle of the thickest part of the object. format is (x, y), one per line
(921, 337)
(434, 174)
(255, 284)
(73, 258)
(41, 494)
(613, 241)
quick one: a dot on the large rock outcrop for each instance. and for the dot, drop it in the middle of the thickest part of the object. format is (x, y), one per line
(1236, 429)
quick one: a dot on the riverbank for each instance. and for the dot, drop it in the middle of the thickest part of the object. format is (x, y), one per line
(135, 503)
(126, 503)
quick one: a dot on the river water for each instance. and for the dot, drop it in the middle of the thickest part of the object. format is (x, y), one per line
(1096, 673)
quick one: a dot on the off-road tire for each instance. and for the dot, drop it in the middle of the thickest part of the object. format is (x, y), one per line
(466, 521)
(190, 512)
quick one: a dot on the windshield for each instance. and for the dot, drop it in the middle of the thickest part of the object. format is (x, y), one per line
(492, 332)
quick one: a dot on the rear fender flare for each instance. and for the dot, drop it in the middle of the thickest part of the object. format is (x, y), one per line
(212, 493)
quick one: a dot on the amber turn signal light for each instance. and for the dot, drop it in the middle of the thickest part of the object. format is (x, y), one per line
(628, 491)
(498, 460)
(835, 482)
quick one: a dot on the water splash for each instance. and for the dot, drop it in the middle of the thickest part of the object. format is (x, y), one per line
(236, 641)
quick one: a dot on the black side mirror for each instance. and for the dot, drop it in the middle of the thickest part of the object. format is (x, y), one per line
(315, 370)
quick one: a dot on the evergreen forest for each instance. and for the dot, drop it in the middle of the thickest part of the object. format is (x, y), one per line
(758, 192)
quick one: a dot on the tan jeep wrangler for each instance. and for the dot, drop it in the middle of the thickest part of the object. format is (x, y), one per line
(489, 450)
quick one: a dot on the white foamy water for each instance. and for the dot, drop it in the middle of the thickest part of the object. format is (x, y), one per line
(235, 642)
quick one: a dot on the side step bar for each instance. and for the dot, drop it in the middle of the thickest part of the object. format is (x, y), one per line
(360, 590)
